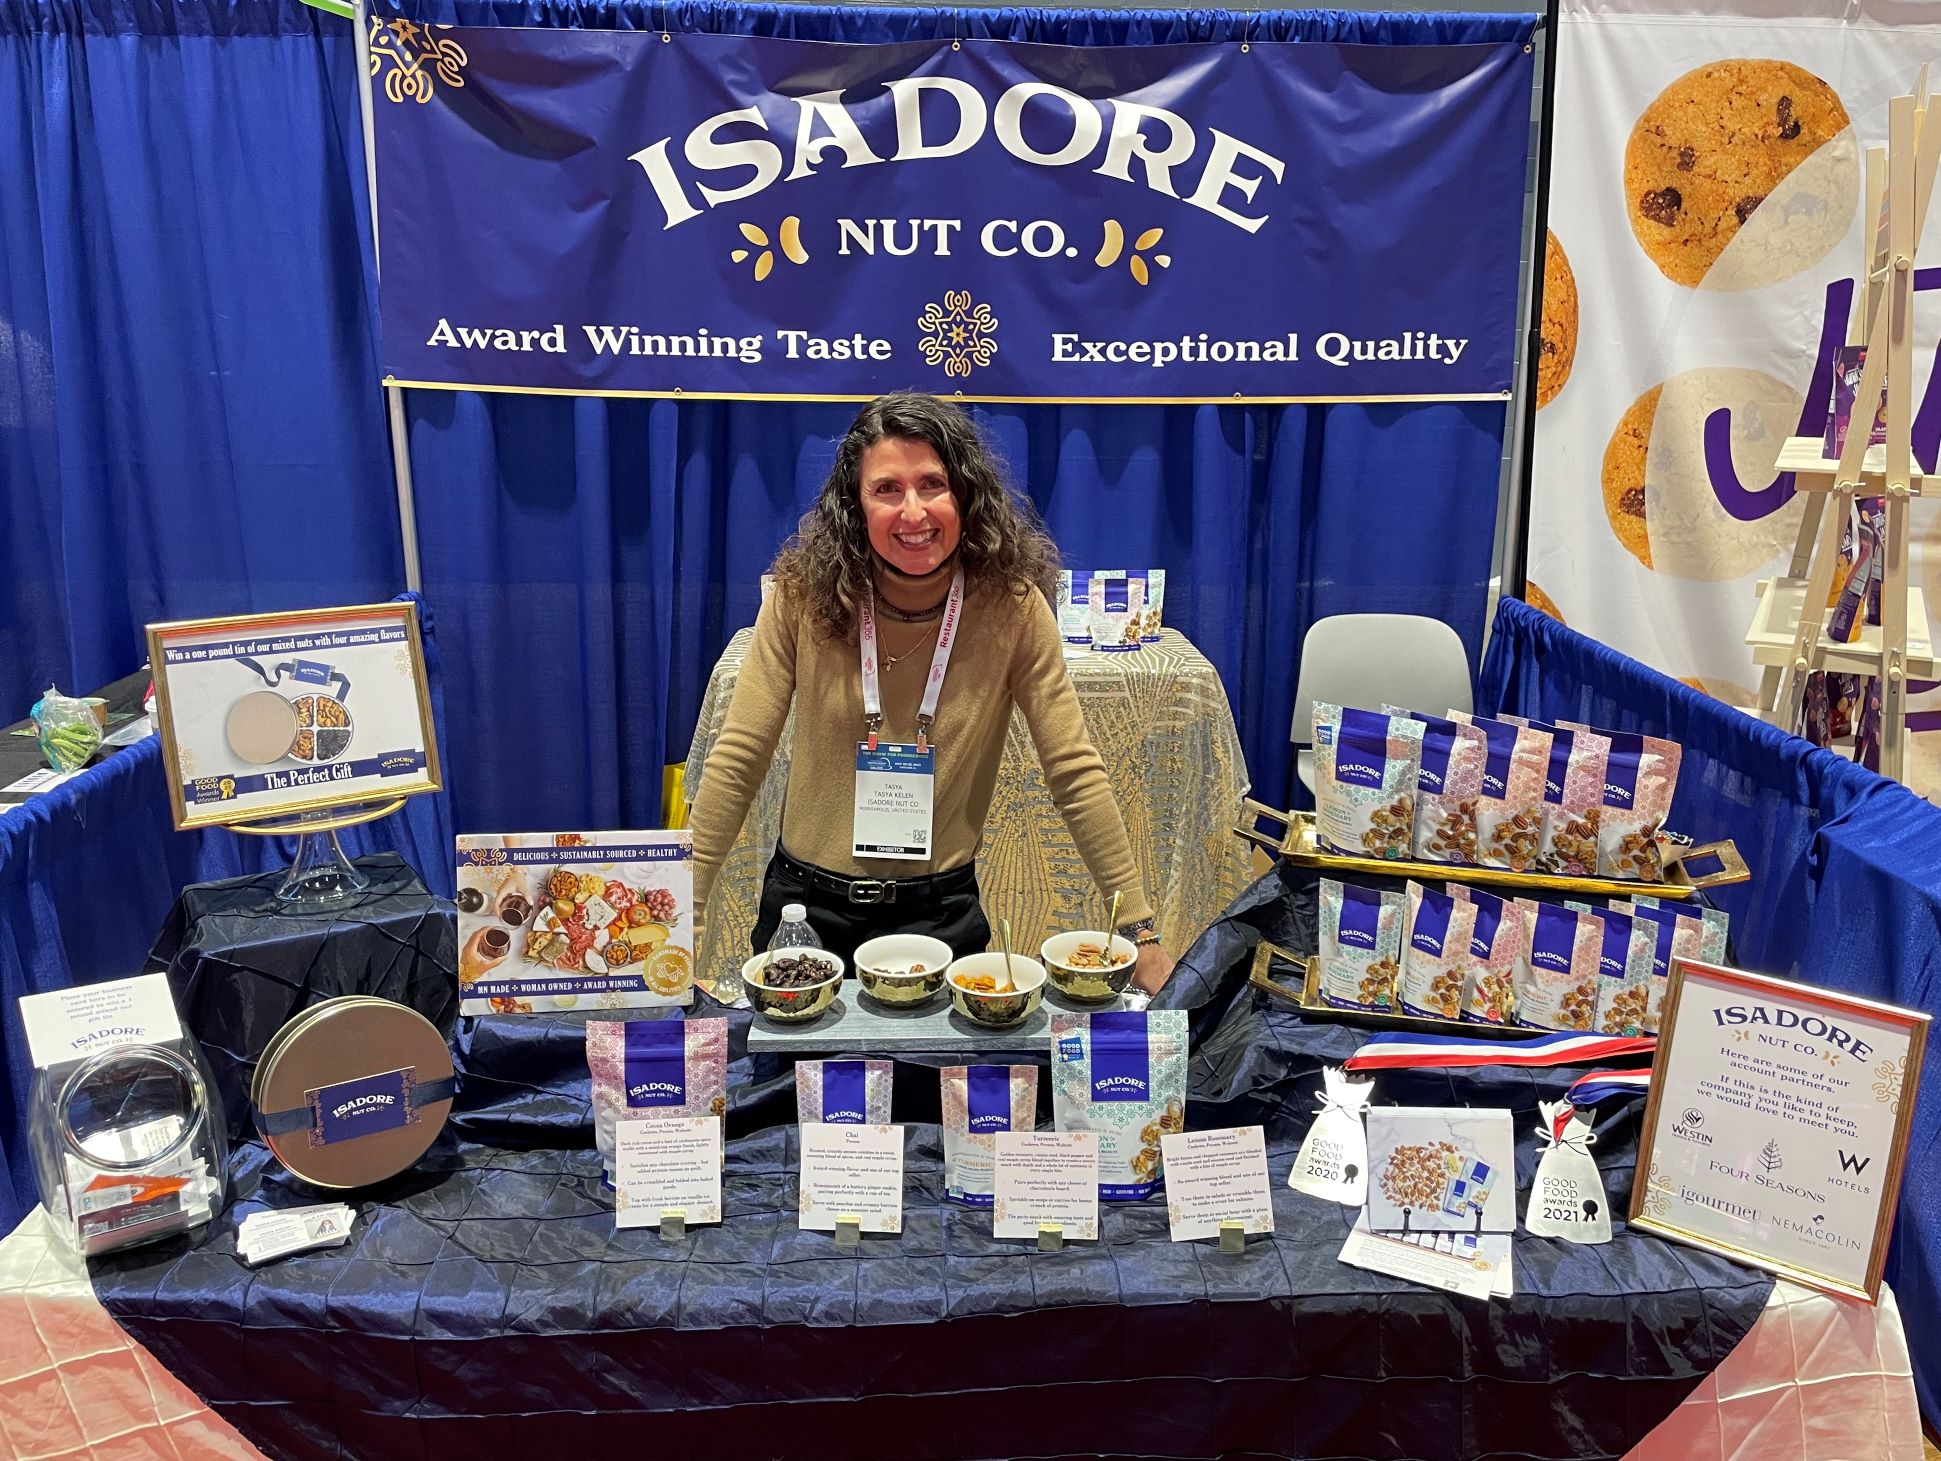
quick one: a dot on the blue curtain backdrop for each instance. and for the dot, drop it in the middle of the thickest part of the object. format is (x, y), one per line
(590, 558)
(189, 417)
(189, 422)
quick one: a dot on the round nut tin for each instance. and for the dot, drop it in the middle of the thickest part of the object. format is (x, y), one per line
(340, 1094)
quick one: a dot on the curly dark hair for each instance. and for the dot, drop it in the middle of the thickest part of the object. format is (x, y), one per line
(826, 566)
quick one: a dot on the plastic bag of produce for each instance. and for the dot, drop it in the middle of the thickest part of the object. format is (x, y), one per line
(69, 734)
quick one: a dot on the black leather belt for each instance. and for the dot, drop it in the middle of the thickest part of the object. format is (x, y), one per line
(866, 891)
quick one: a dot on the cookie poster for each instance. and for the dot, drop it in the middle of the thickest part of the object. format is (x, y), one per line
(575, 920)
(267, 715)
(983, 219)
(1706, 234)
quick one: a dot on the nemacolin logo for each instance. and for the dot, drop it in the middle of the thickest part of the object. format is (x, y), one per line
(731, 155)
(1812, 1026)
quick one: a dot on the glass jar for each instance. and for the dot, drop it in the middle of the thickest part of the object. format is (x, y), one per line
(129, 1145)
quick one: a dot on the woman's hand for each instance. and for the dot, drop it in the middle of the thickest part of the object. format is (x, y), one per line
(1153, 969)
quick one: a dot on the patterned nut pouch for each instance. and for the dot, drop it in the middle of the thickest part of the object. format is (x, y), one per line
(1361, 946)
(1365, 771)
(1679, 936)
(1496, 949)
(1436, 955)
(1557, 981)
(1121, 1073)
(1509, 808)
(653, 1068)
(1638, 783)
(1446, 787)
(1623, 972)
(980, 1101)
(1573, 794)
(1718, 927)
(843, 1092)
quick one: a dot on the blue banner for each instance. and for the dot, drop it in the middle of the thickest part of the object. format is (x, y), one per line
(656, 214)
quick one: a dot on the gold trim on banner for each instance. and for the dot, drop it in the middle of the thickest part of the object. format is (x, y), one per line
(1236, 399)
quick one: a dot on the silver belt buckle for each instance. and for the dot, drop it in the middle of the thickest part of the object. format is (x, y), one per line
(870, 890)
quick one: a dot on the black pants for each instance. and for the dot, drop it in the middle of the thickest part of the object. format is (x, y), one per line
(946, 906)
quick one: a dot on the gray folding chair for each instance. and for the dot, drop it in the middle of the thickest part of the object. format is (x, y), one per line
(1367, 661)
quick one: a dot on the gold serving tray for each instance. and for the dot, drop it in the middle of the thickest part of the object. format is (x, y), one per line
(1298, 847)
(1306, 997)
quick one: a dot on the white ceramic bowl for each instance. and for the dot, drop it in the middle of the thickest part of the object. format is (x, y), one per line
(1088, 986)
(875, 960)
(792, 1006)
(997, 1011)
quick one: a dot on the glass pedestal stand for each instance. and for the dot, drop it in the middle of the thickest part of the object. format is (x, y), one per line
(320, 874)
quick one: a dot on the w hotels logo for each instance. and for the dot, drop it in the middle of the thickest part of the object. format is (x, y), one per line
(1852, 1163)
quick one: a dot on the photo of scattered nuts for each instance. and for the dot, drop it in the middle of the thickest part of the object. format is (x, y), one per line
(1454, 837)
(1391, 829)
(1415, 1177)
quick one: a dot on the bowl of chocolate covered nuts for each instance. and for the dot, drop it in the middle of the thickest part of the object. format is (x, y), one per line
(793, 985)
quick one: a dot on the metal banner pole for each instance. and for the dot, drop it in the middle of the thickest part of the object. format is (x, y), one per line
(393, 395)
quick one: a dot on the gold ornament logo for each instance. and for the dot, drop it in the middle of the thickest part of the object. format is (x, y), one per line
(957, 334)
(1114, 246)
(788, 236)
(406, 54)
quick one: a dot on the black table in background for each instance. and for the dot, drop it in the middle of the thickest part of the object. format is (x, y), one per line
(20, 755)
(241, 963)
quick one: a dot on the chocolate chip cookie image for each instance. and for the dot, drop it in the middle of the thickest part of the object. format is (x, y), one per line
(1537, 599)
(1557, 332)
(1666, 495)
(1714, 152)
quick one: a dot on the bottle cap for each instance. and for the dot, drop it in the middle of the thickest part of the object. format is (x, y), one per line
(794, 913)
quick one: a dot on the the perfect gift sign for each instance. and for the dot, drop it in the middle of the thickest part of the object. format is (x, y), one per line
(717, 215)
(267, 715)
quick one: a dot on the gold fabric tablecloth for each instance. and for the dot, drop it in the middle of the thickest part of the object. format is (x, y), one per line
(1160, 719)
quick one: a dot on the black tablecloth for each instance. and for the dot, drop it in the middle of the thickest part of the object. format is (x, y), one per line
(20, 755)
(241, 962)
(485, 1305)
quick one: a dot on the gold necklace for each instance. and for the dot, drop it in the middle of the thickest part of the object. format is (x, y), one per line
(890, 660)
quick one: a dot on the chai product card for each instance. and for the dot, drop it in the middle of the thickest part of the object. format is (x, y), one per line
(72, 1024)
(1441, 1169)
(666, 1166)
(1215, 1177)
(851, 1171)
(1045, 1177)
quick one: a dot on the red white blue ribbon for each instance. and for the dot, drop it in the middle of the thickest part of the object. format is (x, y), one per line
(1406, 1052)
(1604, 1085)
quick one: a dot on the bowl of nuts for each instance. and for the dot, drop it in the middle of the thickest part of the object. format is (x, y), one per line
(979, 991)
(1089, 968)
(792, 985)
(903, 970)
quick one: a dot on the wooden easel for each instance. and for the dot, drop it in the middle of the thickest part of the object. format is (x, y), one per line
(1788, 634)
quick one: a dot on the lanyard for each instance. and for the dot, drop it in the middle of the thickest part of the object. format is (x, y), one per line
(933, 688)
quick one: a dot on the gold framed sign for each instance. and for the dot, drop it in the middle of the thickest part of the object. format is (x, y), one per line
(271, 716)
(1776, 1129)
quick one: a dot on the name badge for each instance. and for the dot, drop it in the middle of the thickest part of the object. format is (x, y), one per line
(895, 794)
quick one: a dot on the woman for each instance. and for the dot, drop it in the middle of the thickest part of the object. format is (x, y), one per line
(917, 548)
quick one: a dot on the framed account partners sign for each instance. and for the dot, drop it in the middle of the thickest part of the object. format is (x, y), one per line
(270, 716)
(1776, 1129)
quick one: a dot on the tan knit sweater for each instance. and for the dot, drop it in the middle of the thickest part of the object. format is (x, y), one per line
(1007, 652)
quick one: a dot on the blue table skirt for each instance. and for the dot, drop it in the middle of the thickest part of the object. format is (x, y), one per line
(486, 1303)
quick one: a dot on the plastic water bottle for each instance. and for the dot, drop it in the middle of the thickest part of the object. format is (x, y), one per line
(794, 932)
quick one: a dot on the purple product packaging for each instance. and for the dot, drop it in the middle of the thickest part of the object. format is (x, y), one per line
(1509, 809)
(1361, 945)
(1557, 982)
(643, 1069)
(1496, 947)
(1639, 779)
(1623, 972)
(1679, 936)
(842, 1092)
(1121, 1073)
(978, 1102)
(1573, 792)
(1446, 787)
(1436, 953)
(1366, 765)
